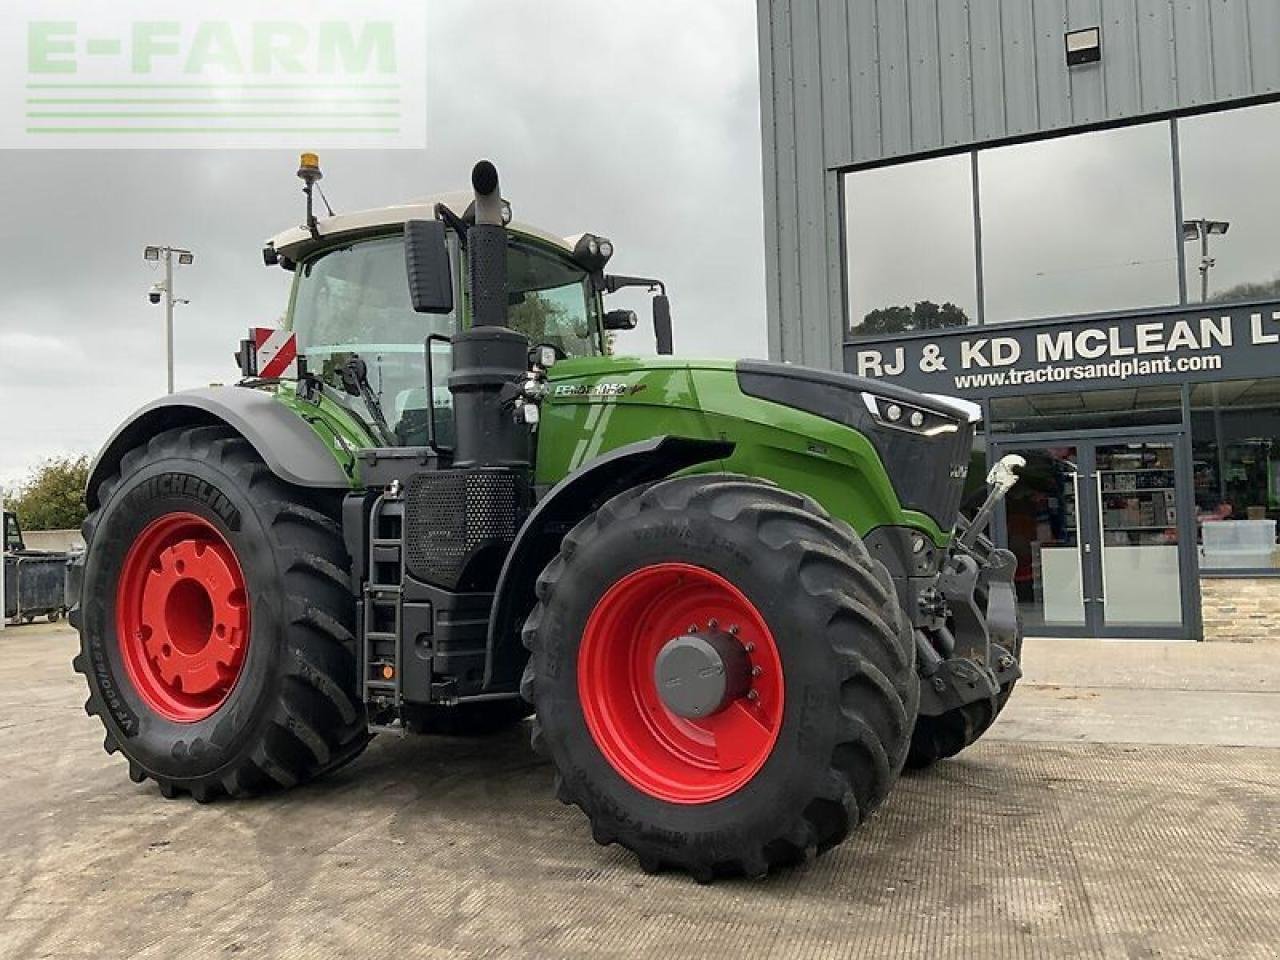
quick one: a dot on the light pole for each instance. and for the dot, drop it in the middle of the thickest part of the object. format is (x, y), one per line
(164, 290)
(4, 548)
(1200, 230)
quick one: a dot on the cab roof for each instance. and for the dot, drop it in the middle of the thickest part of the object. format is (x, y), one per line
(297, 243)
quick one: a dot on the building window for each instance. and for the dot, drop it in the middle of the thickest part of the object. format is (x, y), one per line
(1229, 183)
(1080, 224)
(909, 243)
(1235, 436)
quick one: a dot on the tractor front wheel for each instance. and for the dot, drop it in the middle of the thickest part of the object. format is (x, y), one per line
(216, 621)
(721, 676)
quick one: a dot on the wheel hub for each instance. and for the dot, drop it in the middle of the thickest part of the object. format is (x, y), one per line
(182, 617)
(680, 682)
(193, 627)
(700, 673)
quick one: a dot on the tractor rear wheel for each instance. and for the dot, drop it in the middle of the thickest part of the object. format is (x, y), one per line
(722, 679)
(216, 621)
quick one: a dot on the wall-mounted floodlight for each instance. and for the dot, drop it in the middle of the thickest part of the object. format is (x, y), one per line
(1084, 46)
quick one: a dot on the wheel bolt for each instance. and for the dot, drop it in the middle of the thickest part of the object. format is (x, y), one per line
(713, 623)
(752, 695)
(751, 648)
(693, 628)
(756, 671)
(733, 629)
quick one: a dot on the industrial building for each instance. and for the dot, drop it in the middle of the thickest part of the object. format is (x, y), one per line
(1068, 212)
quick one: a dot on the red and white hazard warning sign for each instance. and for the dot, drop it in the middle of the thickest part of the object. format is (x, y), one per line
(277, 352)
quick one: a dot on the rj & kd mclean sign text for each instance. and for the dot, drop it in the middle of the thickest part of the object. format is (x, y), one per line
(1181, 345)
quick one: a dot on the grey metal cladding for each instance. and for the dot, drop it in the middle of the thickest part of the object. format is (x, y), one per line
(850, 82)
(891, 78)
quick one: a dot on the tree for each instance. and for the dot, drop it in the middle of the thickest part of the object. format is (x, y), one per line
(1265, 290)
(52, 498)
(925, 315)
(539, 318)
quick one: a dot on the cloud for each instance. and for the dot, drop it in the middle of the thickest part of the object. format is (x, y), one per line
(636, 121)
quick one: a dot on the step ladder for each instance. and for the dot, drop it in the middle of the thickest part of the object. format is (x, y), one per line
(381, 646)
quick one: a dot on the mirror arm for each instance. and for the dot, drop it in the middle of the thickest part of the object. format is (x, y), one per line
(454, 223)
(615, 282)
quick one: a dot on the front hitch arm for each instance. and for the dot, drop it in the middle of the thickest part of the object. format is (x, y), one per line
(973, 656)
(1001, 480)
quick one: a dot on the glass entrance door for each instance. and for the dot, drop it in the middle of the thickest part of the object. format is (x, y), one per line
(1097, 526)
(1042, 528)
(1138, 516)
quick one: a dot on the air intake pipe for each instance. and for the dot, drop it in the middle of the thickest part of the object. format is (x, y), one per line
(489, 356)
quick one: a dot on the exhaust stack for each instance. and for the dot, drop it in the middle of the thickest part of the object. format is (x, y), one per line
(487, 250)
(490, 355)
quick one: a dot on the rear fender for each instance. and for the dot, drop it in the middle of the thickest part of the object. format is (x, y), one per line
(563, 506)
(290, 447)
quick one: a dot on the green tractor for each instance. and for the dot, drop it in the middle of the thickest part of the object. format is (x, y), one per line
(737, 596)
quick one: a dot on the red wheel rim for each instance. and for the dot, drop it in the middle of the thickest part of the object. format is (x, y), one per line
(667, 756)
(182, 617)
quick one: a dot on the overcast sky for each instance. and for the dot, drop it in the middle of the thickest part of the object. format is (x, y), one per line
(640, 121)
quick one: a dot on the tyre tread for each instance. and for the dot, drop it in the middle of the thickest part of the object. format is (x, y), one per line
(872, 741)
(316, 723)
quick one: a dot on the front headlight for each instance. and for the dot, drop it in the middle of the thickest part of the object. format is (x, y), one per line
(899, 415)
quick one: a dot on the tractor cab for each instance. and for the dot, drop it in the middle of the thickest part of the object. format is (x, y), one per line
(350, 301)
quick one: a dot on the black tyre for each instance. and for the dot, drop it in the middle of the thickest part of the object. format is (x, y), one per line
(216, 621)
(945, 735)
(811, 704)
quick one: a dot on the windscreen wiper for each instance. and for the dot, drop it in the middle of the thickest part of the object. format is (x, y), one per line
(355, 380)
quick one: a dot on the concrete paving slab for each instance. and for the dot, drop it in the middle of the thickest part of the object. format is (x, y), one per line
(446, 847)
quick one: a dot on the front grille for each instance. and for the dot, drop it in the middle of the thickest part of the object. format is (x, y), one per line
(927, 473)
(453, 517)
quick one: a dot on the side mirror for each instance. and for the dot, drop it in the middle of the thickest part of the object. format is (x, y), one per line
(426, 257)
(662, 325)
(621, 320)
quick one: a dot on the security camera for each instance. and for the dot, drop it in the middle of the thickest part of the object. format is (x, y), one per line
(156, 290)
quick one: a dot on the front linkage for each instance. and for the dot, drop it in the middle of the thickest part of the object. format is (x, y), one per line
(968, 653)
